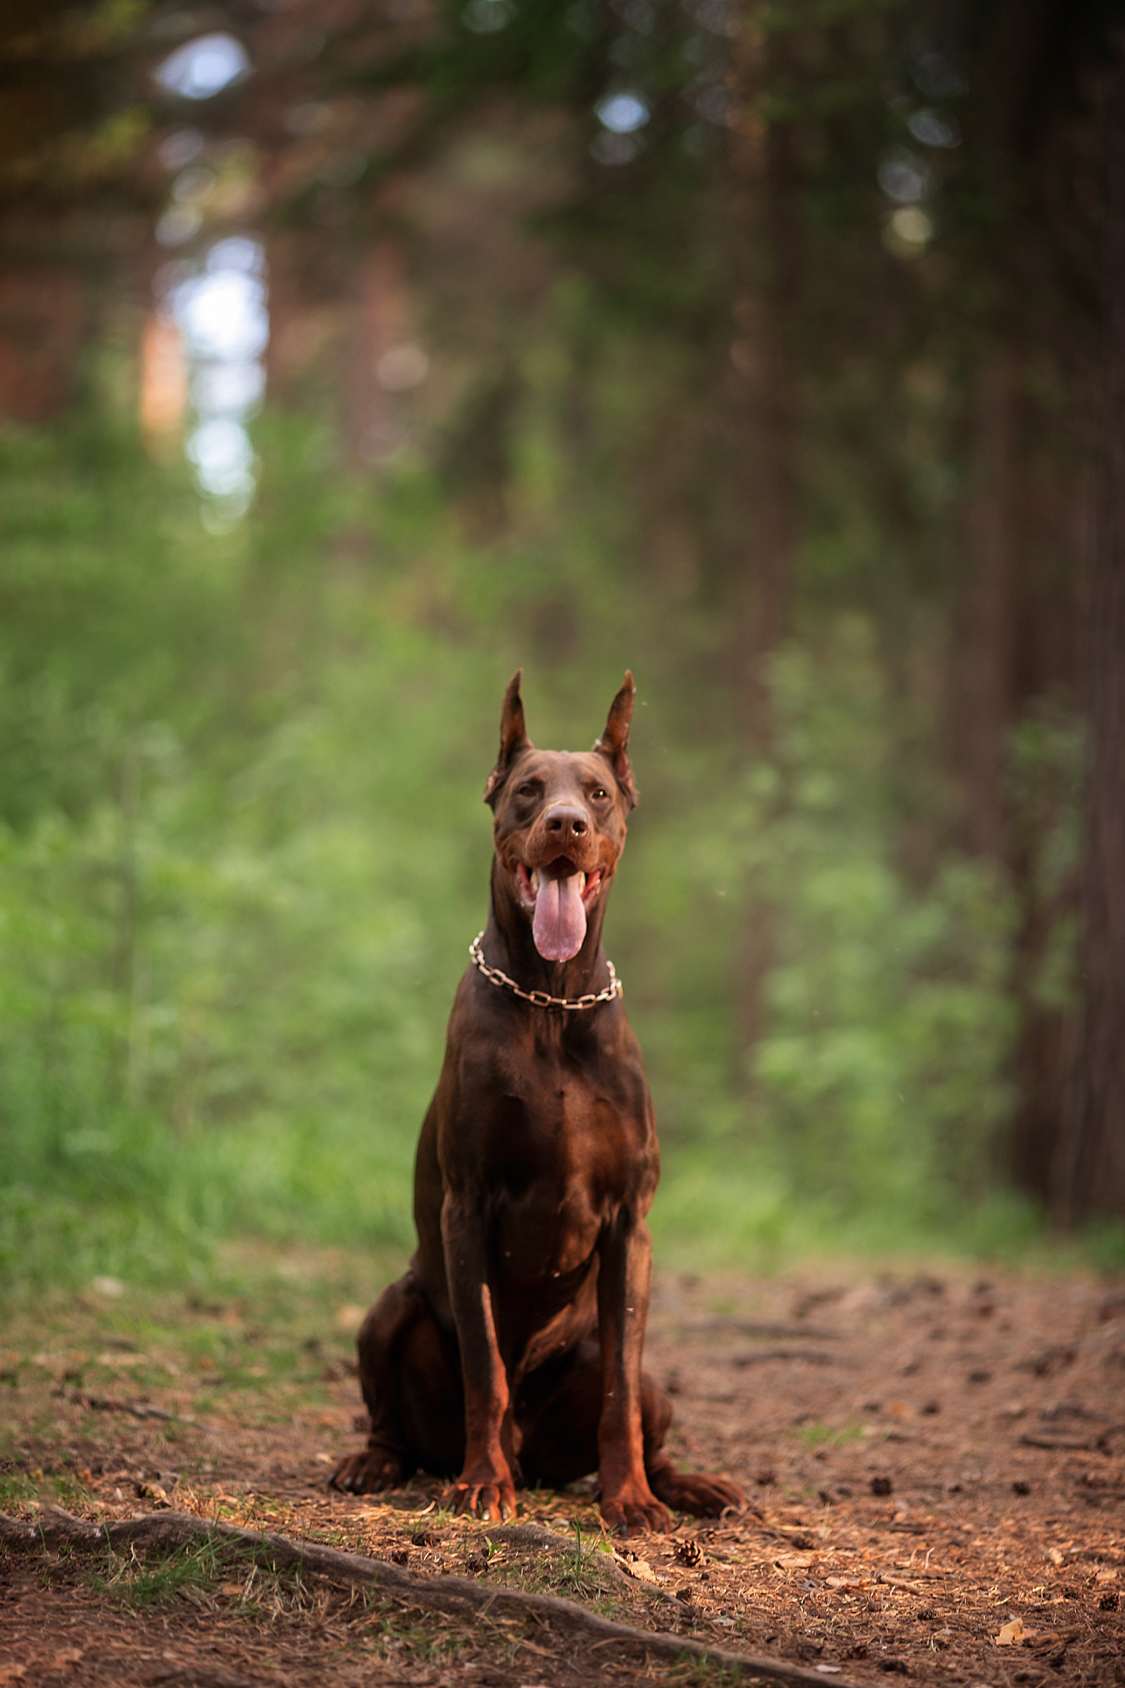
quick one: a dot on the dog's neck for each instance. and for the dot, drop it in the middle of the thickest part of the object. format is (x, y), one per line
(509, 945)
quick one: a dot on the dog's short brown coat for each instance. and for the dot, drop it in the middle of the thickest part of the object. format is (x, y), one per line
(511, 1350)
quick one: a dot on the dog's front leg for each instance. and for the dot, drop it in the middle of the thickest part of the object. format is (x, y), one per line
(624, 1284)
(485, 1485)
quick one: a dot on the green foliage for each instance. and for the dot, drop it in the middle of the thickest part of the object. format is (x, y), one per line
(881, 1080)
(882, 1070)
(1046, 775)
(222, 1000)
(244, 852)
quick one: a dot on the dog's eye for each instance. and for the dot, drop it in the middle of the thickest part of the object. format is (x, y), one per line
(599, 793)
(527, 791)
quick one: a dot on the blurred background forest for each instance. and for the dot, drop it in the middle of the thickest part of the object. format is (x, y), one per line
(354, 353)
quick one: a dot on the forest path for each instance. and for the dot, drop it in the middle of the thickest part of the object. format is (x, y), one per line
(935, 1460)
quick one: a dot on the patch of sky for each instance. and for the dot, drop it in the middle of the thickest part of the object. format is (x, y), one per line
(222, 310)
(932, 130)
(202, 68)
(903, 177)
(622, 113)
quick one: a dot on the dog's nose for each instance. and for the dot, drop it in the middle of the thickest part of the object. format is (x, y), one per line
(566, 822)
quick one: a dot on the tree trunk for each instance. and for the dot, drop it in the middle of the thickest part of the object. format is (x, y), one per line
(1089, 1174)
(44, 321)
(1053, 544)
(378, 322)
(768, 266)
(984, 663)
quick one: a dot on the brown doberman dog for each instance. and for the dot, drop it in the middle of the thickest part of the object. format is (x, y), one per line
(511, 1350)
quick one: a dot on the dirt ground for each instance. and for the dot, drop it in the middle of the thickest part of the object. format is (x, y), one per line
(935, 1464)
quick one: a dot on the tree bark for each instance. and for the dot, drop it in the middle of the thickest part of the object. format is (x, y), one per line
(985, 665)
(768, 272)
(768, 267)
(378, 321)
(1089, 1173)
(44, 322)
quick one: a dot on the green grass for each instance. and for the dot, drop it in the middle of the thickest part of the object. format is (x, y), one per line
(59, 1487)
(699, 1673)
(829, 1436)
(719, 1211)
(426, 1638)
(256, 1346)
(16, 1491)
(152, 1581)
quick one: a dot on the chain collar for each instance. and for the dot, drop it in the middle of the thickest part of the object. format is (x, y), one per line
(540, 998)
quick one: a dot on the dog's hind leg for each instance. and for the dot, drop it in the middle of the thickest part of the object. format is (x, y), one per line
(412, 1387)
(558, 1415)
(704, 1496)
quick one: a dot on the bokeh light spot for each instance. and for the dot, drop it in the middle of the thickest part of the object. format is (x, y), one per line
(487, 17)
(204, 67)
(623, 113)
(933, 131)
(402, 368)
(903, 178)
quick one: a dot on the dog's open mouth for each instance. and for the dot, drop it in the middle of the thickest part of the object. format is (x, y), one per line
(559, 894)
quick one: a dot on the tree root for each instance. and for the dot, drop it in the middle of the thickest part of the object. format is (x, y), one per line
(458, 1596)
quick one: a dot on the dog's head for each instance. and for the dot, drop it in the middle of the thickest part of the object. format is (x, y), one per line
(560, 821)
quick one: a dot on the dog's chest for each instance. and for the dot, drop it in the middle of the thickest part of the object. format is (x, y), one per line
(564, 1153)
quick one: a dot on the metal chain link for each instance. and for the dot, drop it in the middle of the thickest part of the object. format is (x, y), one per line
(540, 998)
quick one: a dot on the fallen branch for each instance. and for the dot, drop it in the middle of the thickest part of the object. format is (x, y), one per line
(114, 1404)
(1058, 1441)
(459, 1596)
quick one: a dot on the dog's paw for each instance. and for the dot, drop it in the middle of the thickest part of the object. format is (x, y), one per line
(494, 1501)
(703, 1496)
(635, 1511)
(367, 1473)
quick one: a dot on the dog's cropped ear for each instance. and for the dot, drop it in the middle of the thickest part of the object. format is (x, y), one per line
(513, 736)
(614, 741)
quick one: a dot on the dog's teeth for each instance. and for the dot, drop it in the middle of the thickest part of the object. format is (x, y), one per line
(582, 887)
(535, 881)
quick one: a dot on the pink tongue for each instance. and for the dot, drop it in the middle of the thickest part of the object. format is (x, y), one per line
(559, 926)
